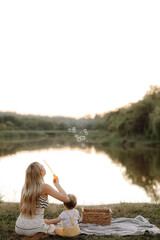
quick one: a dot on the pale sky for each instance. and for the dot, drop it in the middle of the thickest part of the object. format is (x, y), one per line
(74, 58)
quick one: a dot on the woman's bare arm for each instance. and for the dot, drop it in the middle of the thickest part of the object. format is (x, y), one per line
(61, 195)
(53, 221)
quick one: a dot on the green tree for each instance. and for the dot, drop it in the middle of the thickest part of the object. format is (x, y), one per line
(156, 127)
(3, 126)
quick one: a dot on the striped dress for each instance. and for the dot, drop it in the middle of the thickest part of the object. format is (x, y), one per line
(30, 226)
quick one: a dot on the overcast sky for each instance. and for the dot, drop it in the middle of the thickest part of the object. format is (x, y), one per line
(74, 58)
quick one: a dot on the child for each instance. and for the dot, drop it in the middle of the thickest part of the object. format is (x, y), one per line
(69, 218)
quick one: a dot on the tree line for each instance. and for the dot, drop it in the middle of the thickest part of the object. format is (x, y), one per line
(137, 119)
(13, 121)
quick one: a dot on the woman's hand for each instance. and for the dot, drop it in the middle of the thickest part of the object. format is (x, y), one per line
(56, 182)
(46, 221)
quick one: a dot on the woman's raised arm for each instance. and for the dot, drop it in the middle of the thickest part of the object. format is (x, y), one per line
(61, 195)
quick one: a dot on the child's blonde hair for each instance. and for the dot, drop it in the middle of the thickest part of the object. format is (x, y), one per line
(72, 203)
(32, 188)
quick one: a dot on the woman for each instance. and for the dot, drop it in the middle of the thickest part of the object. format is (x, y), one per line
(34, 200)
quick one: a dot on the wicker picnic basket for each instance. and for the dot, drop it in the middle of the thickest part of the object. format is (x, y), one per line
(96, 216)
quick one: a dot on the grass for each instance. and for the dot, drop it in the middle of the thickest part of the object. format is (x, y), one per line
(13, 134)
(105, 138)
(10, 211)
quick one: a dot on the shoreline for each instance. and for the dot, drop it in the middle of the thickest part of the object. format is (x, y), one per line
(94, 137)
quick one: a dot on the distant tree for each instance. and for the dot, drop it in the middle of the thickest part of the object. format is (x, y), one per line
(140, 118)
(61, 126)
(3, 126)
(156, 127)
(10, 125)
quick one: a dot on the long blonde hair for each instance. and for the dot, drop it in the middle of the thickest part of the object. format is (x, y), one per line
(32, 188)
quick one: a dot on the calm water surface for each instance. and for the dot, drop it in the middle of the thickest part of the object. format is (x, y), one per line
(93, 177)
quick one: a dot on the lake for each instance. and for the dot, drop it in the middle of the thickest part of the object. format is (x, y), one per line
(96, 175)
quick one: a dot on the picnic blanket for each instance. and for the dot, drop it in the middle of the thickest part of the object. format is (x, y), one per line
(121, 226)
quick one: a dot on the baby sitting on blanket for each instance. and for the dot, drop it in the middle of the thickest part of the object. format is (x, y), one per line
(69, 218)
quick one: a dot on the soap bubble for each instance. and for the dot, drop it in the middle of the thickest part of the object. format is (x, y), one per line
(69, 130)
(78, 139)
(83, 145)
(83, 138)
(74, 129)
(85, 131)
(79, 135)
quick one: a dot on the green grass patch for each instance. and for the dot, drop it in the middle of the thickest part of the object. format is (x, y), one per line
(10, 211)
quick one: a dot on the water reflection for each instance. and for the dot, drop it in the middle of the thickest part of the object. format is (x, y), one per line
(138, 168)
(142, 167)
(92, 177)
